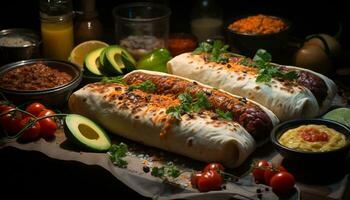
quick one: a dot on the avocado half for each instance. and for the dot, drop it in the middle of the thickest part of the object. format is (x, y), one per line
(92, 62)
(86, 134)
(117, 60)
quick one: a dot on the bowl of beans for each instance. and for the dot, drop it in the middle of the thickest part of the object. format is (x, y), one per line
(48, 81)
(250, 33)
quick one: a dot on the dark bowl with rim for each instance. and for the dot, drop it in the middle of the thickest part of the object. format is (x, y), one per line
(311, 158)
(248, 43)
(54, 96)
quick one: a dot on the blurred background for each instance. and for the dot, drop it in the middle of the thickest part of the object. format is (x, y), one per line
(308, 17)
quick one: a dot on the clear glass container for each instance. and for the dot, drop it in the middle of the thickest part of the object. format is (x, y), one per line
(141, 27)
(57, 28)
(207, 20)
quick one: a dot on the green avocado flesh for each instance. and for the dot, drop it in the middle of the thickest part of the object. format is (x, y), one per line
(85, 133)
(116, 60)
(92, 62)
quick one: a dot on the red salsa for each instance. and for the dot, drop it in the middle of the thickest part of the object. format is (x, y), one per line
(34, 77)
(313, 135)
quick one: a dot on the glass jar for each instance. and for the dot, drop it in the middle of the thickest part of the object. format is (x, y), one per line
(87, 25)
(141, 27)
(57, 28)
(207, 22)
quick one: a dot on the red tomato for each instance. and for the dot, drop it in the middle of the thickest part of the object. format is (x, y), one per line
(48, 128)
(35, 108)
(11, 122)
(46, 112)
(194, 179)
(282, 182)
(210, 180)
(270, 173)
(4, 106)
(31, 133)
(214, 166)
(259, 170)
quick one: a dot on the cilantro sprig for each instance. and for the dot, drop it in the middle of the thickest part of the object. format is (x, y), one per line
(166, 171)
(117, 154)
(225, 115)
(266, 71)
(217, 51)
(146, 86)
(188, 104)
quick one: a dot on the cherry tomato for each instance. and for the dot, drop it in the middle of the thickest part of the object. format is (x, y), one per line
(259, 170)
(11, 122)
(271, 172)
(210, 180)
(31, 133)
(4, 106)
(48, 128)
(282, 182)
(46, 112)
(194, 179)
(35, 108)
(214, 166)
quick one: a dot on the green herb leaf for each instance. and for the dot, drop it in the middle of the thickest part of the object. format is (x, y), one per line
(175, 111)
(116, 79)
(203, 47)
(117, 153)
(146, 86)
(217, 51)
(168, 170)
(225, 115)
(185, 98)
(201, 102)
(262, 55)
(291, 75)
(173, 171)
(158, 172)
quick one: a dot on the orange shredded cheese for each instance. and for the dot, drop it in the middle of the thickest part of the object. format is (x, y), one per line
(258, 24)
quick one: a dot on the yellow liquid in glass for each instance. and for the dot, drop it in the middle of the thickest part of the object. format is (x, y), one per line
(57, 39)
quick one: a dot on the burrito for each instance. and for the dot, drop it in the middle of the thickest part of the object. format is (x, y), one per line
(177, 115)
(308, 95)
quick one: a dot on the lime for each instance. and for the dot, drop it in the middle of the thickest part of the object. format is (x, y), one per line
(341, 115)
(156, 60)
(77, 55)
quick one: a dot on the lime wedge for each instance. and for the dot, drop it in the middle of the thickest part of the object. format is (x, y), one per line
(341, 115)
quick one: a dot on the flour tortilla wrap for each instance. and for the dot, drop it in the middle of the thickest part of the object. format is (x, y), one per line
(198, 136)
(286, 101)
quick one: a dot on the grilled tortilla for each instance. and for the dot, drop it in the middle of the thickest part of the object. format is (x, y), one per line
(141, 116)
(308, 96)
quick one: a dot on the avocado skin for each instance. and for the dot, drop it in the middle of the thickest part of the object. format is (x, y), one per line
(72, 139)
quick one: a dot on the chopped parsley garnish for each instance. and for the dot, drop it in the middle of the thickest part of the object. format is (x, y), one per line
(116, 79)
(168, 170)
(117, 153)
(188, 104)
(146, 86)
(217, 51)
(225, 115)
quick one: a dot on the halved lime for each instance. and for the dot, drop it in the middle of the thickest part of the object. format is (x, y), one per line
(341, 115)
